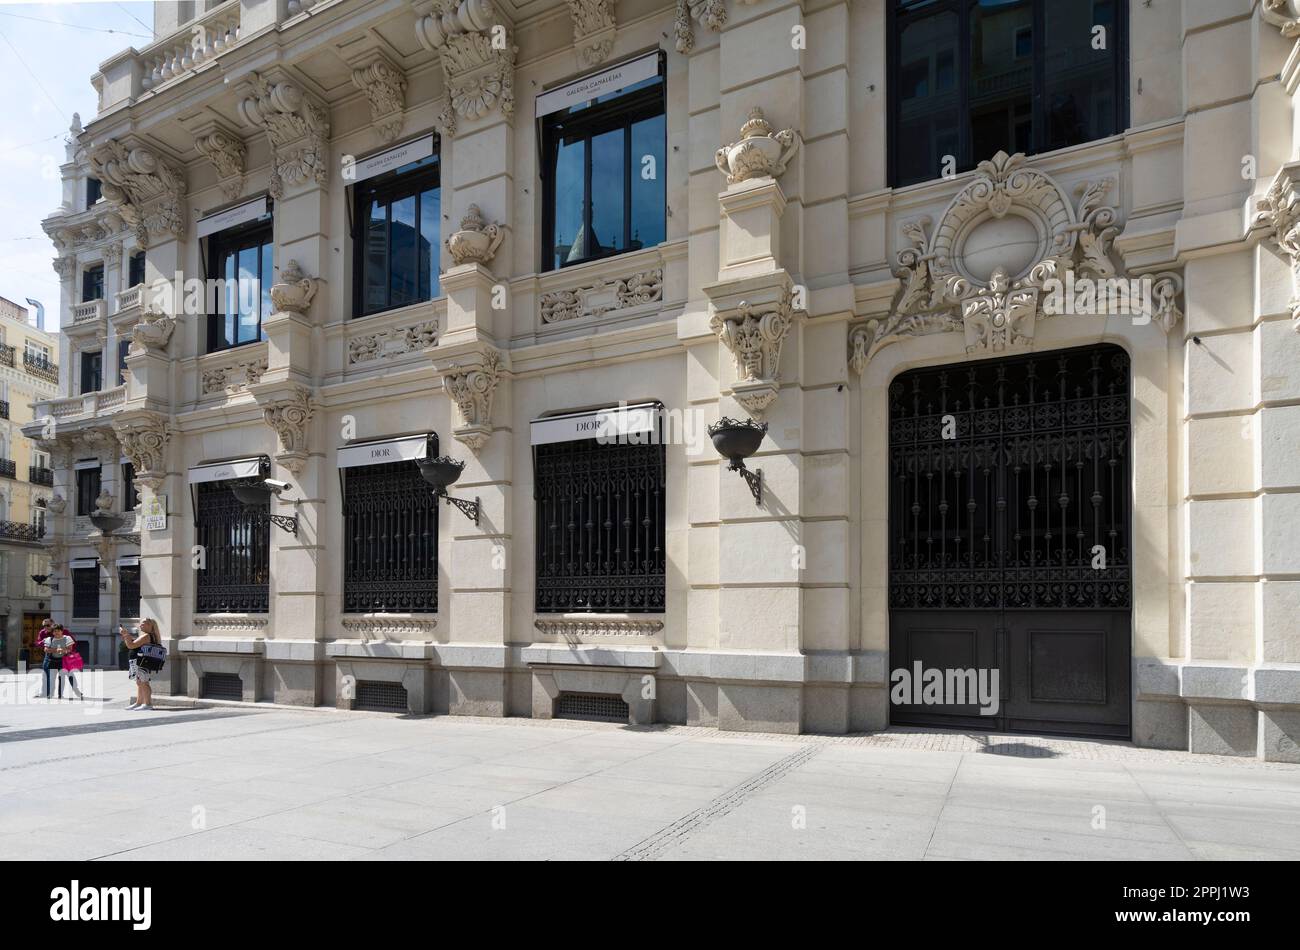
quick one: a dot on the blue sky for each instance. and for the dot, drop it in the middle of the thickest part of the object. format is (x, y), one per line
(48, 52)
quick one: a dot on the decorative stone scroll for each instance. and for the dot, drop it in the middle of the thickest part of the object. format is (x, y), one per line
(233, 378)
(1279, 213)
(144, 439)
(381, 626)
(145, 190)
(754, 335)
(594, 29)
(296, 126)
(994, 290)
(602, 295)
(1283, 15)
(582, 629)
(477, 53)
(227, 152)
(471, 381)
(392, 343)
(384, 84)
(291, 418)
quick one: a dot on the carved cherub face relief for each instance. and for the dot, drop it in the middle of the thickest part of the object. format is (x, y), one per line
(999, 281)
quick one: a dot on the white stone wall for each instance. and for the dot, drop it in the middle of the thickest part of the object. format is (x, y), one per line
(752, 637)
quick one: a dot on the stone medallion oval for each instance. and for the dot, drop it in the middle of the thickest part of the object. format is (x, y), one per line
(1015, 242)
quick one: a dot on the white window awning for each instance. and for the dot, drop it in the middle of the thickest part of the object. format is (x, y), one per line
(607, 425)
(222, 471)
(129, 560)
(229, 217)
(404, 449)
(86, 463)
(389, 159)
(598, 84)
(78, 563)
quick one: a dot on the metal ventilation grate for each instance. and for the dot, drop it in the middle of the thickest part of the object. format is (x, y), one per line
(222, 686)
(380, 697)
(592, 707)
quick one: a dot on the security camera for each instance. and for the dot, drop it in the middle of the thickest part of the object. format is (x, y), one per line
(275, 485)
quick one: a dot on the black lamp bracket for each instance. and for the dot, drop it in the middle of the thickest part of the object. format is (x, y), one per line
(752, 478)
(470, 509)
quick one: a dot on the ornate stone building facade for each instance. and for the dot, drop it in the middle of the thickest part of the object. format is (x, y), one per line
(1012, 377)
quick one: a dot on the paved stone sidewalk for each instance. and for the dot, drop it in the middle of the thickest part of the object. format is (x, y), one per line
(250, 782)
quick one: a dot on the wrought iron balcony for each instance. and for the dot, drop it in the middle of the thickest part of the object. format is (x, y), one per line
(8, 469)
(41, 367)
(21, 532)
(39, 475)
(6, 355)
(4, 409)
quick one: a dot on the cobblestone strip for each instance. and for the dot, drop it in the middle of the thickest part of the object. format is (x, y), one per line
(724, 804)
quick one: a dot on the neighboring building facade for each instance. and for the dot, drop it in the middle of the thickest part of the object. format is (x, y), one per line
(1011, 287)
(27, 376)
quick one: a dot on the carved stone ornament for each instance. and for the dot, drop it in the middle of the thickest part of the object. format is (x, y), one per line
(601, 296)
(1069, 270)
(754, 335)
(144, 441)
(294, 291)
(393, 342)
(385, 87)
(297, 127)
(226, 151)
(472, 382)
(477, 241)
(594, 29)
(476, 49)
(587, 628)
(145, 190)
(57, 505)
(711, 14)
(1282, 14)
(760, 152)
(234, 378)
(74, 232)
(152, 333)
(65, 267)
(1279, 212)
(290, 419)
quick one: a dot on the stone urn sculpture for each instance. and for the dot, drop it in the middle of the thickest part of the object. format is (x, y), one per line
(477, 241)
(760, 151)
(294, 291)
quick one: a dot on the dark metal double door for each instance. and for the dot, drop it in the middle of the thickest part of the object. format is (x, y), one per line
(1010, 545)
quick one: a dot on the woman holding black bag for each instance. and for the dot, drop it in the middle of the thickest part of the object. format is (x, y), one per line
(143, 668)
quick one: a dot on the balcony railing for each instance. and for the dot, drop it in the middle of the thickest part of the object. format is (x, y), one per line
(8, 469)
(6, 355)
(131, 297)
(87, 404)
(4, 409)
(41, 367)
(21, 532)
(88, 311)
(39, 475)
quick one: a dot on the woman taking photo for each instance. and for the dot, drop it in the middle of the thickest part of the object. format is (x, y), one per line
(146, 633)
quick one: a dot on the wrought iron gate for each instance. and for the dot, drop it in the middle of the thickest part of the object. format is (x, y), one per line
(1010, 538)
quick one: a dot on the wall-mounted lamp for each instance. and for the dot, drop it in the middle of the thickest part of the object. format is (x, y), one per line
(41, 581)
(441, 472)
(736, 441)
(255, 495)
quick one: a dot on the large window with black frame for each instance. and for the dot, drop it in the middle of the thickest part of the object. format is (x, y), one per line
(241, 259)
(235, 573)
(85, 592)
(603, 175)
(396, 224)
(390, 540)
(88, 486)
(128, 580)
(600, 526)
(969, 78)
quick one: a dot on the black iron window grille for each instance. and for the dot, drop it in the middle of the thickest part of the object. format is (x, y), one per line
(85, 592)
(221, 686)
(376, 696)
(600, 527)
(390, 536)
(236, 544)
(1010, 482)
(128, 591)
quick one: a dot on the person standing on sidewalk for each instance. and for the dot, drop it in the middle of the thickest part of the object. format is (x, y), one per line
(49, 668)
(147, 632)
(57, 645)
(72, 662)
